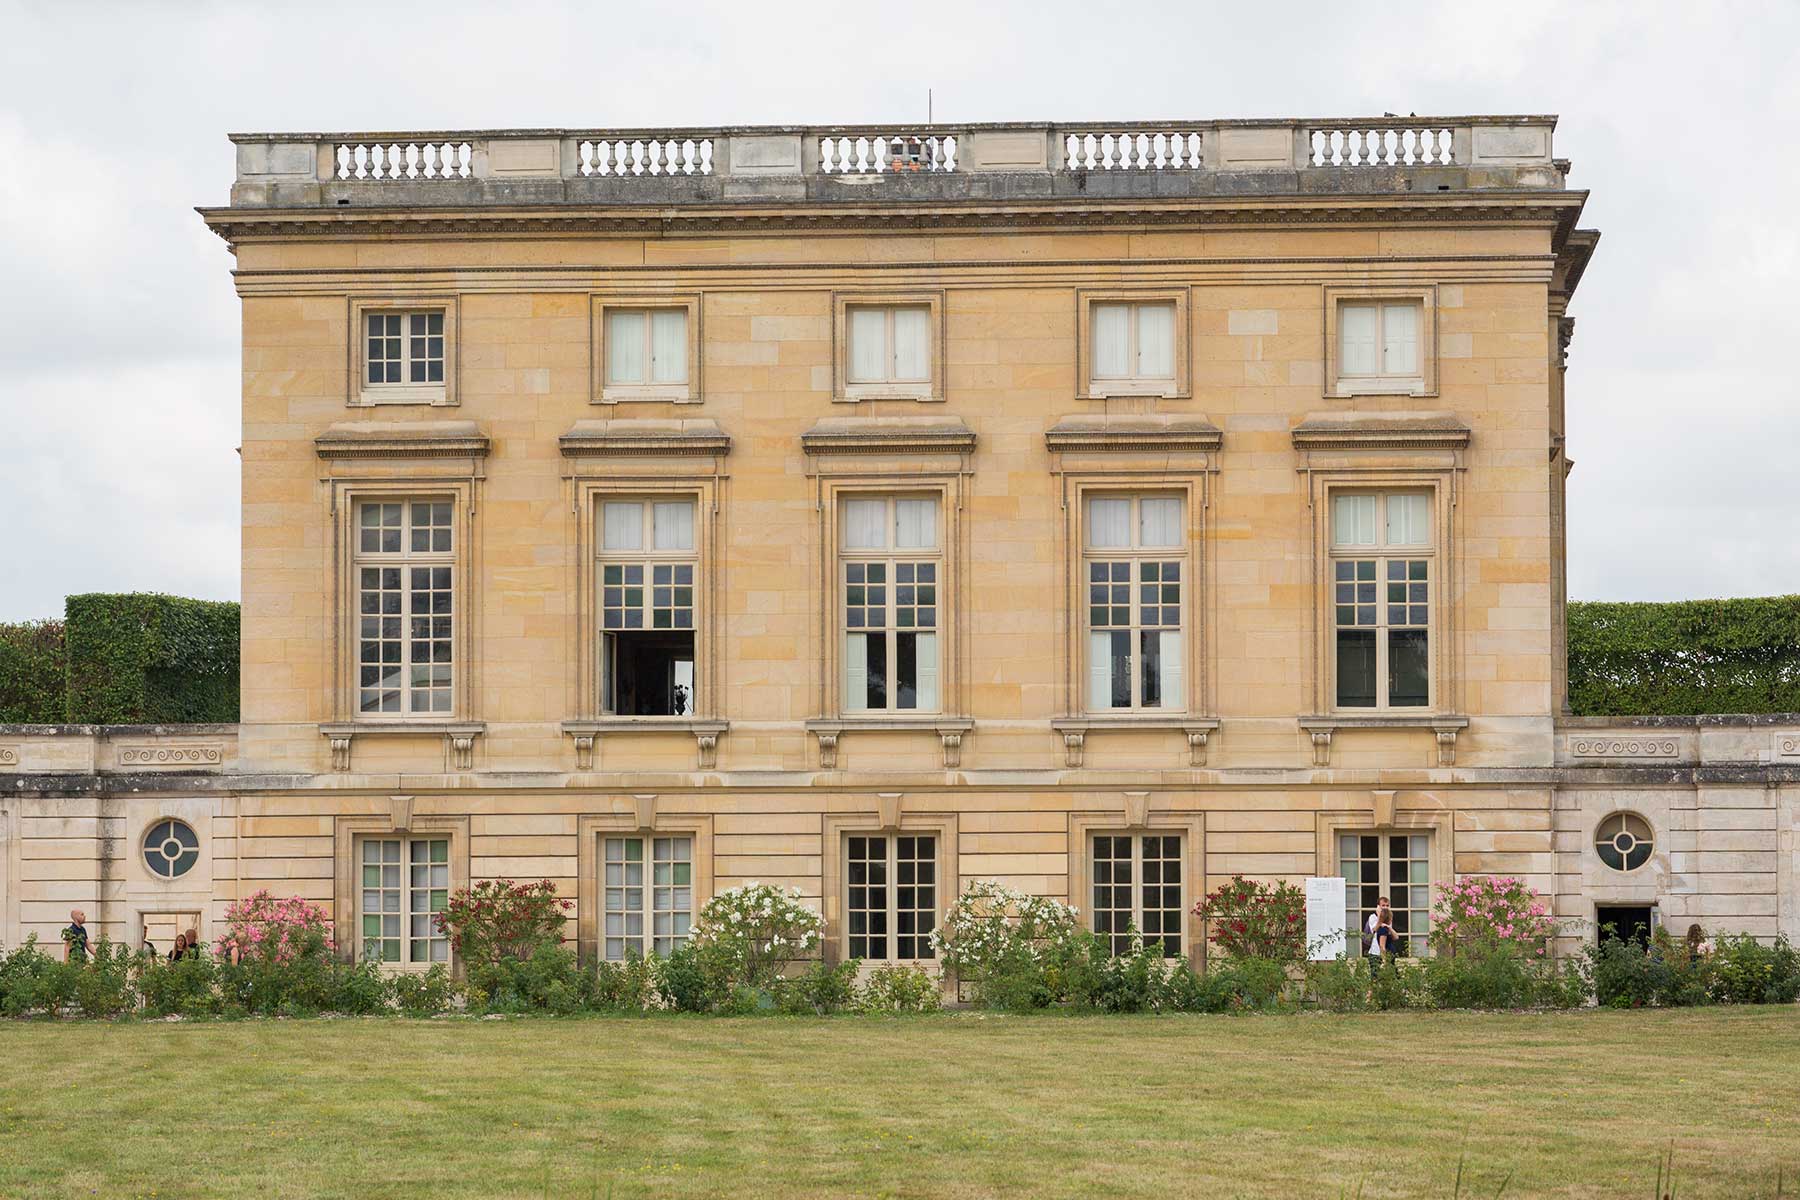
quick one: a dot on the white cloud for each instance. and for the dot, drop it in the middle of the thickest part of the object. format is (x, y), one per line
(118, 391)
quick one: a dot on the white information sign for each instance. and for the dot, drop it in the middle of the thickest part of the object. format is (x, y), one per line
(1325, 916)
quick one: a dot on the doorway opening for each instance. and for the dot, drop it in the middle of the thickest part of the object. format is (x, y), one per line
(1625, 922)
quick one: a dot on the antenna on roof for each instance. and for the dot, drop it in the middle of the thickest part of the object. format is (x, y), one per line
(928, 120)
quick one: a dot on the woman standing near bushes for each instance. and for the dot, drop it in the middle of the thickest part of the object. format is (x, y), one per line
(181, 948)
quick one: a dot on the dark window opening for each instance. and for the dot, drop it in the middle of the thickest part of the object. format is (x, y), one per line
(1624, 922)
(649, 674)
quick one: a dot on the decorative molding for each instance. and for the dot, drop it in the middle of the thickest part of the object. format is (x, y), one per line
(952, 740)
(888, 435)
(1197, 746)
(150, 757)
(1137, 810)
(634, 437)
(587, 734)
(950, 731)
(9, 756)
(644, 804)
(584, 751)
(1633, 745)
(1418, 431)
(1115, 435)
(1197, 730)
(1074, 746)
(462, 750)
(887, 808)
(706, 743)
(400, 811)
(828, 744)
(459, 738)
(1446, 744)
(1443, 727)
(1787, 745)
(340, 751)
(1321, 747)
(402, 439)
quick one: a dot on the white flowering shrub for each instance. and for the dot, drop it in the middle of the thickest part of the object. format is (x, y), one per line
(991, 924)
(754, 931)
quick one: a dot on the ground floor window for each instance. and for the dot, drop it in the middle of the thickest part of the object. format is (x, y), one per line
(1395, 865)
(891, 905)
(405, 884)
(1137, 885)
(648, 915)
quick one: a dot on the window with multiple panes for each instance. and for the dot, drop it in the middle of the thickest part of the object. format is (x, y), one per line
(1137, 886)
(405, 567)
(1382, 564)
(405, 884)
(403, 348)
(648, 588)
(1134, 564)
(888, 344)
(1395, 865)
(646, 346)
(1378, 343)
(1133, 343)
(649, 904)
(891, 567)
(890, 902)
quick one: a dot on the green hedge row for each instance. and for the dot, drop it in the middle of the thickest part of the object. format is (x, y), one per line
(1686, 657)
(144, 658)
(33, 667)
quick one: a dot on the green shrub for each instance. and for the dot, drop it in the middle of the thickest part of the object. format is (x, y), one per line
(34, 671)
(635, 985)
(1691, 656)
(1005, 945)
(361, 990)
(1743, 970)
(503, 918)
(896, 988)
(143, 658)
(424, 995)
(189, 987)
(1393, 986)
(107, 988)
(31, 980)
(549, 981)
(754, 932)
(821, 989)
(691, 978)
(1340, 984)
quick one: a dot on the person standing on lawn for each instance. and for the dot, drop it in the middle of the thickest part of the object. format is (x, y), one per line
(75, 938)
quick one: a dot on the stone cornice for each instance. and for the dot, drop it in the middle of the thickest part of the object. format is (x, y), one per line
(1397, 431)
(1126, 434)
(632, 437)
(402, 439)
(887, 435)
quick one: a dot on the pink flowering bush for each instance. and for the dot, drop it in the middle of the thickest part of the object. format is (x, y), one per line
(262, 928)
(1482, 913)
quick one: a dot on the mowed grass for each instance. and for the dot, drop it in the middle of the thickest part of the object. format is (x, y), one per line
(1575, 1104)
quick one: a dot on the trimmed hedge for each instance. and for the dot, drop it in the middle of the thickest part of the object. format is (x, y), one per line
(1686, 657)
(33, 667)
(141, 658)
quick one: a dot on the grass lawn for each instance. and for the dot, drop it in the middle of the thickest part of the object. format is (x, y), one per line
(1574, 1104)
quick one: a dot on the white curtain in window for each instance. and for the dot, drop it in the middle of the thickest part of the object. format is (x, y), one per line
(868, 345)
(1353, 520)
(1399, 339)
(624, 525)
(625, 348)
(912, 344)
(674, 524)
(1112, 341)
(1159, 522)
(1408, 520)
(668, 345)
(1109, 522)
(1356, 339)
(915, 524)
(1156, 341)
(865, 525)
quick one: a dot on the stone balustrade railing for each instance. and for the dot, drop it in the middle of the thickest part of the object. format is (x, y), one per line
(1518, 147)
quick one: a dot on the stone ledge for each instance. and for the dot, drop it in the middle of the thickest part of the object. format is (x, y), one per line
(950, 731)
(1119, 434)
(1385, 431)
(631, 436)
(1323, 729)
(402, 439)
(704, 730)
(1074, 732)
(887, 435)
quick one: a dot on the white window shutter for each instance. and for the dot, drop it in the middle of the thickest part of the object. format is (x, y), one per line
(668, 345)
(1400, 339)
(1156, 341)
(1356, 339)
(856, 672)
(1100, 668)
(868, 345)
(624, 525)
(625, 348)
(912, 344)
(1174, 681)
(1111, 341)
(925, 655)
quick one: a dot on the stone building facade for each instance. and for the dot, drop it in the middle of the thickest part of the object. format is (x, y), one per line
(1103, 509)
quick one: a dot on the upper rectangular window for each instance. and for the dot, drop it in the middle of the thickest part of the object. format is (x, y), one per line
(1134, 343)
(1137, 880)
(648, 571)
(647, 348)
(890, 563)
(405, 566)
(1134, 567)
(891, 902)
(887, 346)
(402, 352)
(405, 884)
(1380, 342)
(1383, 562)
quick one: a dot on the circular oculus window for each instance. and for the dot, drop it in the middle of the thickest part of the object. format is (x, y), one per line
(1624, 841)
(171, 849)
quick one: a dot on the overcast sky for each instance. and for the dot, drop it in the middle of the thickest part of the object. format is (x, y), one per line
(118, 325)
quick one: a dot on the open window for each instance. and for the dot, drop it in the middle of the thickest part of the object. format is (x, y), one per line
(648, 572)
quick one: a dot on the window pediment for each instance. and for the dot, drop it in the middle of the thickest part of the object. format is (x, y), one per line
(402, 439)
(1382, 431)
(633, 437)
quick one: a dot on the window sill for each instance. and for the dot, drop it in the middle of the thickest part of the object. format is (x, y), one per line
(855, 393)
(1445, 725)
(1104, 389)
(587, 732)
(1074, 731)
(459, 737)
(434, 394)
(950, 731)
(1347, 388)
(673, 393)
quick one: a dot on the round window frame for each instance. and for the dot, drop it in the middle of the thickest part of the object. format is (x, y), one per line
(1626, 816)
(153, 849)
